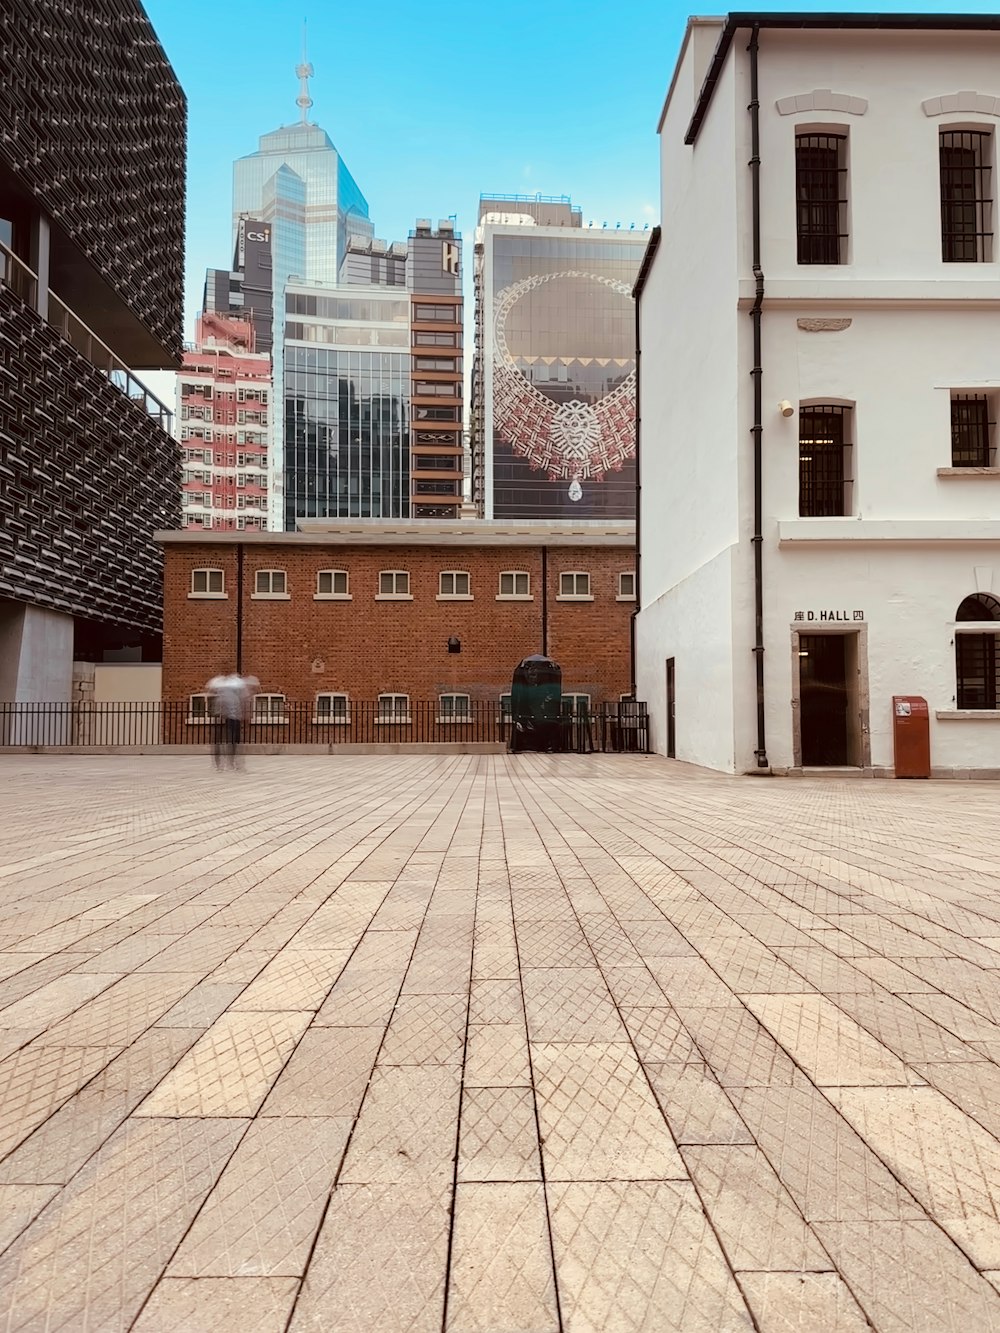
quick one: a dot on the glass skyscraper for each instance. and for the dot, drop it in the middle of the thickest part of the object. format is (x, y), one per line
(346, 403)
(298, 184)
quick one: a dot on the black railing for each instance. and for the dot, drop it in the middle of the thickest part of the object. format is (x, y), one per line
(612, 727)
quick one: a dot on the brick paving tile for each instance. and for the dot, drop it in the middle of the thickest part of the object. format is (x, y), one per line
(425, 1042)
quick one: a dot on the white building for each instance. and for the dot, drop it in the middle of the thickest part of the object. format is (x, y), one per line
(878, 365)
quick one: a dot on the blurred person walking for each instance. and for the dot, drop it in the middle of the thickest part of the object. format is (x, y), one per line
(229, 696)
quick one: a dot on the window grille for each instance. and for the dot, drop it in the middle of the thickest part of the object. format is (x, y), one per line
(824, 452)
(268, 707)
(966, 196)
(626, 584)
(821, 197)
(574, 585)
(971, 431)
(333, 708)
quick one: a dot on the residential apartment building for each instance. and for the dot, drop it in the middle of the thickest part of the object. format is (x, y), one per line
(553, 414)
(224, 405)
(92, 156)
(341, 611)
(819, 389)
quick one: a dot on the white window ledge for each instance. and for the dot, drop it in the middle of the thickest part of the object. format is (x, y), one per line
(208, 596)
(968, 471)
(332, 597)
(574, 597)
(455, 597)
(622, 598)
(270, 597)
(968, 714)
(394, 597)
(200, 721)
(332, 721)
(269, 721)
(454, 721)
(393, 721)
(514, 597)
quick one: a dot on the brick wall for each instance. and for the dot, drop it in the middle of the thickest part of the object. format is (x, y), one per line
(365, 647)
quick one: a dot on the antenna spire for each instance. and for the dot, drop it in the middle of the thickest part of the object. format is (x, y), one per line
(304, 72)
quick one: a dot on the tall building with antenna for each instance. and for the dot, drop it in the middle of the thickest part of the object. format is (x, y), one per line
(297, 184)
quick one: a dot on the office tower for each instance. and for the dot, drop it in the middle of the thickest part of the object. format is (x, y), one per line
(554, 376)
(372, 385)
(92, 153)
(298, 186)
(245, 290)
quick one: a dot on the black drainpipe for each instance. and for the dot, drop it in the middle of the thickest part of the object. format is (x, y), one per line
(757, 429)
(545, 601)
(239, 609)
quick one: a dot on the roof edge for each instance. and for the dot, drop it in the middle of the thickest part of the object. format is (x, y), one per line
(864, 21)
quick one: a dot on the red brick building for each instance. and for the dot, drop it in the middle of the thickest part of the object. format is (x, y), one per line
(361, 611)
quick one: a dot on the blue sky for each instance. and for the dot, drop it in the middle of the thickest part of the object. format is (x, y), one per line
(431, 104)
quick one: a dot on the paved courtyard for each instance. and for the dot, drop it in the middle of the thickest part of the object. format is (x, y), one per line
(483, 1043)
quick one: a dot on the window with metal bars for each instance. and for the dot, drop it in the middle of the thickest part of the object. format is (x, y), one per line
(972, 430)
(966, 196)
(825, 453)
(821, 198)
(977, 670)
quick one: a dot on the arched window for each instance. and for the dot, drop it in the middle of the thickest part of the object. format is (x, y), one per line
(980, 606)
(977, 663)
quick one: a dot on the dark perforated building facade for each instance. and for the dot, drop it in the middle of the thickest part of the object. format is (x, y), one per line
(92, 155)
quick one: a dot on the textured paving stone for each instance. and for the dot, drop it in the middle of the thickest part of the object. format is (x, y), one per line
(909, 1278)
(802, 1303)
(92, 1257)
(336, 978)
(599, 1118)
(825, 1042)
(230, 1069)
(219, 1305)
(696, 1108)
(380, 1261)
(501, 1261)
(946, 1160)
(406, 1130)
(498, 1136)
(265, 1209)
(640, 1255)
(754, 1217)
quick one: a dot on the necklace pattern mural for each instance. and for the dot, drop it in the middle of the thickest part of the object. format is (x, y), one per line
(571, 441)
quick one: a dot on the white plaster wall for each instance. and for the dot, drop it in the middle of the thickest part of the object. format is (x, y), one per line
(897, 366)
(689, 444)
(690, 623)
(894, 199)
(909, 598)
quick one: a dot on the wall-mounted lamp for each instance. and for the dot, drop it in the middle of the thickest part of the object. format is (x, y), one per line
(785, 408)
(454, 644)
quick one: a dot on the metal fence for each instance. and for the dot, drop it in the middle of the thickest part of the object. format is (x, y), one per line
(613, 727)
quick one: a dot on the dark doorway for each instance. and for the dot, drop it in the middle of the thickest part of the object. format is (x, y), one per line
(671, 706)
(825, 693)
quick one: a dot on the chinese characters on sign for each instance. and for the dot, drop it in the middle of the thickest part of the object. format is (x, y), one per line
(829, 615)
